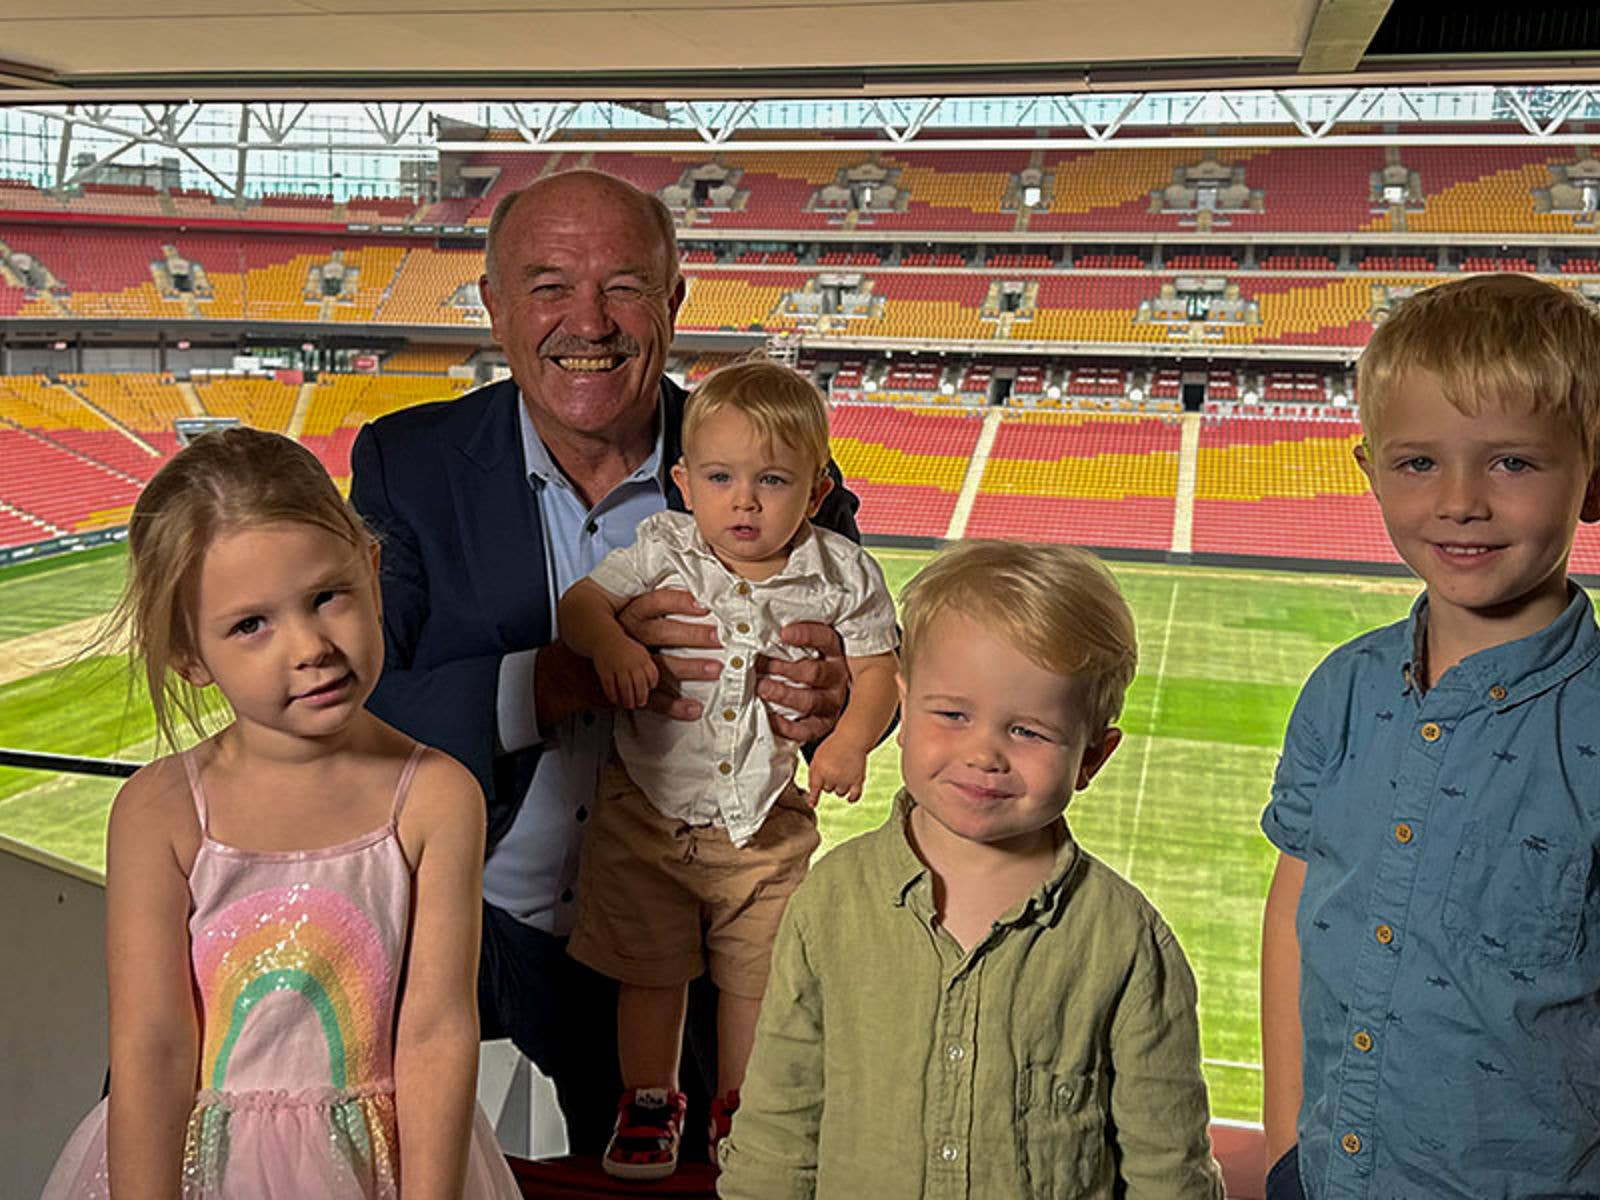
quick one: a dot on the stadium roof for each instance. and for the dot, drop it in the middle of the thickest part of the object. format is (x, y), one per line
(151, 49)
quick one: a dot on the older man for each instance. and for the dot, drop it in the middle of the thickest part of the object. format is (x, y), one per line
(488, 508)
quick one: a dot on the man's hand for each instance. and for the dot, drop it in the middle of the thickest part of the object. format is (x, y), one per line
(814, 687)
(653, 619)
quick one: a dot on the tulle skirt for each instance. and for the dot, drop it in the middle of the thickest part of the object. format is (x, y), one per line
(341, 1145)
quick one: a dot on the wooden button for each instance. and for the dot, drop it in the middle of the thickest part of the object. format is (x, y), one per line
(1431, 732)
(1362, 1041)
(1351, 1143)
(736, 662)
(1497, 693)
(725, 768)
(1384, 934)
(1402, 833)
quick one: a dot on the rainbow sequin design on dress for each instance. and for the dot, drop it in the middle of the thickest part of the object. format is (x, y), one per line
(312, 942)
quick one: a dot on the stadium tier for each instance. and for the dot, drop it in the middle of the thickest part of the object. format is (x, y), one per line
(1311, 189)
(1285, 487)
(906, 464)
(1087, 479)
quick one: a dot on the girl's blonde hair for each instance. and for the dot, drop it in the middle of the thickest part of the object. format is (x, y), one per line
(1058, 605)
(225, 480)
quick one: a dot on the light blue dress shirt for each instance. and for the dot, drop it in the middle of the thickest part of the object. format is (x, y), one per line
(1450, 920)
(532, 871)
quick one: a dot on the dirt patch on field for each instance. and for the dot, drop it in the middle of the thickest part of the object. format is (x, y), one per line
(48, 649)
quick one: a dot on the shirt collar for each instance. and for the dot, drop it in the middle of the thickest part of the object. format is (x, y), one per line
(542, 469)
(1515, 671)
(907, 871)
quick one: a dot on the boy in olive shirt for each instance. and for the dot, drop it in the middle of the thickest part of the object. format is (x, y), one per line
(964, 1003)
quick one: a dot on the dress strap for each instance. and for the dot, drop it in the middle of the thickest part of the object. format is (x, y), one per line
(404, 786)
(198, 793)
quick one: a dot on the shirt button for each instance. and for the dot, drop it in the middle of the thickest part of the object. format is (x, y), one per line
(1384, 934)
(742, 588)
(1431, 732)
(728, 714)
(949, 1152)
(1402, 833)
(1362, 1041)
(1351, 1143)
(725, 768)
(566, 896)
(582, 814)
(956, 1052)
(743, 626)
(1497, 692)
(1063, 1093)
(592, 528)
(736, 662)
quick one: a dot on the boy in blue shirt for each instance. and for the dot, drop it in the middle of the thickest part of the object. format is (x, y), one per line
(1431, 954)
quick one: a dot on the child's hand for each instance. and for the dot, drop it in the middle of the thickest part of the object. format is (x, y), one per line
(839, 767)
(627, 673)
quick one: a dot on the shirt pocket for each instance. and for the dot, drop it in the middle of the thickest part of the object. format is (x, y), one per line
(1061, 1128)
(1516, 897)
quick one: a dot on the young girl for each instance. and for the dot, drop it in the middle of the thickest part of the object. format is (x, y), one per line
(269, 891)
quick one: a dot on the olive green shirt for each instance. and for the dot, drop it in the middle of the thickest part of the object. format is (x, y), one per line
(1059, 1058)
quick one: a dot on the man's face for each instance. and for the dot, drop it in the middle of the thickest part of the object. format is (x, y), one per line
(583, 301)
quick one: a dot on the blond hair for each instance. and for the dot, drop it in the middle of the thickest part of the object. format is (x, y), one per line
(1507, 340)
(1058, 605)
(783, 405)
(225, 480)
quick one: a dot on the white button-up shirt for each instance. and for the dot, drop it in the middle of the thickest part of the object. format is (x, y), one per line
(729, 767)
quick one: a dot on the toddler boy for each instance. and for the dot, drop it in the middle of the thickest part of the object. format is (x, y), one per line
(964, 1003)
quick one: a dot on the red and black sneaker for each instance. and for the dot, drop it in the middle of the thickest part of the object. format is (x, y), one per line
(722, 1110)
(644, 1144)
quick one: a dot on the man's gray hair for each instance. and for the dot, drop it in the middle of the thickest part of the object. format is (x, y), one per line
(659, 214)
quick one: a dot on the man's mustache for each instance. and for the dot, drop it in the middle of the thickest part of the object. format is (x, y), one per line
(560, 345)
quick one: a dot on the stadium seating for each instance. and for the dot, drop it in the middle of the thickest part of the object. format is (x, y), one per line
(906, 464)
(1285, 488)
(262, 401)
(1088, 479)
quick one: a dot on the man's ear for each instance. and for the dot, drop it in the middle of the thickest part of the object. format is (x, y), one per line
(491, 302)
(819, 490)
(680, 476)
(1095, 755)
(675, 301)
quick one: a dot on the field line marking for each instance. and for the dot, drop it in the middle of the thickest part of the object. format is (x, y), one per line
(1150, 740)
(65, 568)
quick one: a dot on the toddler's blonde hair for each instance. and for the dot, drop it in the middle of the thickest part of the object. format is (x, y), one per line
(1058, 605)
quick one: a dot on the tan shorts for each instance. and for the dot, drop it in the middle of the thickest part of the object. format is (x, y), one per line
(657, 897)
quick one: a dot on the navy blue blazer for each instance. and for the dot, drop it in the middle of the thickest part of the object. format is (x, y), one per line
(463, 570)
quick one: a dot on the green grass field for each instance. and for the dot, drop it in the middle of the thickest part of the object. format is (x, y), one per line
(1222, 655)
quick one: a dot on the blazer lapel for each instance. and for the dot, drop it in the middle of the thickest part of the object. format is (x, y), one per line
(501, 536)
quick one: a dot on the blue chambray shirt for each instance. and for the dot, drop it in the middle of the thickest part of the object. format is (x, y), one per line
(1450, 920)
